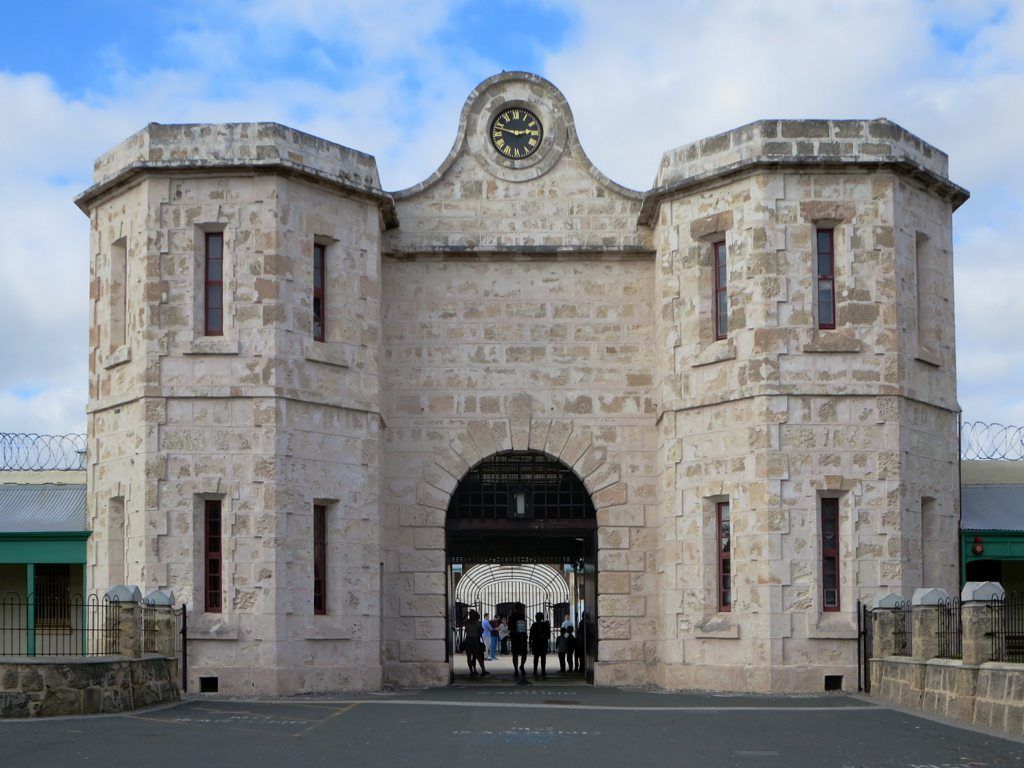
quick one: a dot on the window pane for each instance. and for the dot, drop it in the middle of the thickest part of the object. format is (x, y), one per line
(825, 264)
(824, 241)
(826, 310)
(214, 245)
(723, 315)
(214, 270)
(213, 321)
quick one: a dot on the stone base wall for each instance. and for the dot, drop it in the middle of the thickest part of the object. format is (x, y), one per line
(31, 688)
(990, 695)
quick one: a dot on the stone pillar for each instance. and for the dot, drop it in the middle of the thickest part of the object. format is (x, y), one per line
(976, 616)
(126, 617)
(883, 623)
(162, 617)
(925, 635)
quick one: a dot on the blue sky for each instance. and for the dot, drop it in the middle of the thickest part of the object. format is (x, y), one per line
(390, 78)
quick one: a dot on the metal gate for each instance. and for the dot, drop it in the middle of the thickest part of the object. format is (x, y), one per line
(180, 647)
(864, 648)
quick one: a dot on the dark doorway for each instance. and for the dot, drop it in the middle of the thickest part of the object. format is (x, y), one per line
(530, 521)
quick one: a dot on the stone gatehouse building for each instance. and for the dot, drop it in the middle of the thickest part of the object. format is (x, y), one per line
(749, 368)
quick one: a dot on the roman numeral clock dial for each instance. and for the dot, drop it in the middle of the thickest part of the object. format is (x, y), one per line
(516, 133)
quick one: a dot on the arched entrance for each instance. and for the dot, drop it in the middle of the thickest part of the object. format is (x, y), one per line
(521, 527)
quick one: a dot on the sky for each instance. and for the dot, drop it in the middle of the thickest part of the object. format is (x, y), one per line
(390, 78)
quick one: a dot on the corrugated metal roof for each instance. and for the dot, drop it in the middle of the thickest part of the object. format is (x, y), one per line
(27, 508)
(992, 507)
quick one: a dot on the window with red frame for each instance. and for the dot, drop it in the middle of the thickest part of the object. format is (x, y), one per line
(825, 247)
(830, 554)
(721, 295)
(319, 299)
(213, 303)
(724, 529)
(319, 559)
(212, 556)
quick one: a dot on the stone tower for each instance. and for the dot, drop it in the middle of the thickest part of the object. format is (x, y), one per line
(680, 349)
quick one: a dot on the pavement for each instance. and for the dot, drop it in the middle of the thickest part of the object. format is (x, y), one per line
(542, 724)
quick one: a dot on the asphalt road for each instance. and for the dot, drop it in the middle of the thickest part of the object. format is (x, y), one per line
(537, 725)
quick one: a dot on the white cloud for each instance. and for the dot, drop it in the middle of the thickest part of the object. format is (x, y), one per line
(641, 78)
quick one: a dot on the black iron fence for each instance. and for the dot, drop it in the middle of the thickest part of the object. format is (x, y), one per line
(1008, 627)
(150, 637)
(903, 629)
(950, 629)
(32, 625)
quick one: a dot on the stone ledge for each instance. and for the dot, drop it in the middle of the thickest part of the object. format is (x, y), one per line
(717, 352)
(331, 353)
(119, 356)
(928, 357)
(212, 345)
(717, 629)
(833, 341)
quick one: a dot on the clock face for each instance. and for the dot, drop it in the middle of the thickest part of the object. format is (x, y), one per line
(516, 133)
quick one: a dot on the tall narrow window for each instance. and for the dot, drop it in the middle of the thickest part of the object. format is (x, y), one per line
(830, 554)
(212, 556)
(118, 293)
(724, 529)
(826, 279)
(721, 294)
(320, 559)
(319, 298)
(214, 284)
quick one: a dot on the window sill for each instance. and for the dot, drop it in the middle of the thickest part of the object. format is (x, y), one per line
(319, 628)
(717, 352)
(833, 341)
(329, 353)
(719, 627)
(210, 626)
(212, 345)
(831, 625)
(119, 356)
(926, 356)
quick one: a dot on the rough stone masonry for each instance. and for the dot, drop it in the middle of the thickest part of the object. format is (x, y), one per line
(524, 304)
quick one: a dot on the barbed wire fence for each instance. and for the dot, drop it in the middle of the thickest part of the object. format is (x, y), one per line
(22, 451)
(991, 442)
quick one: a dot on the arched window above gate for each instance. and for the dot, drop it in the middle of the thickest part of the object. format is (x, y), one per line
(521, 485)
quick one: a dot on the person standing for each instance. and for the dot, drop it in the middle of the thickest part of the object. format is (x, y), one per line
(495, 635)
(503, 635)
(486, 632)
(540, 637)
(518, 632)
(560, 649)
(474, 645)
(570, 648)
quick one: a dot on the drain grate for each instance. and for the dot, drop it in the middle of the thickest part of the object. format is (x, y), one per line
(561, 701)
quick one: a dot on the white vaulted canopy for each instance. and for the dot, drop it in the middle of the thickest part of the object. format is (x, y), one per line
(531, 584)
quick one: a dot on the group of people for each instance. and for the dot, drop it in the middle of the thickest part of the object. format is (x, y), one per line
(483, 636)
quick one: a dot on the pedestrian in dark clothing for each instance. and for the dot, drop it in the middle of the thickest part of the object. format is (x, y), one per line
(540, 637)
(518, 632)
(560, 649)
(570, 649)
(474, 644)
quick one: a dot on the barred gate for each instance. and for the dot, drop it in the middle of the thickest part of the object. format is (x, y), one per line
(180, 648)
(864, 648)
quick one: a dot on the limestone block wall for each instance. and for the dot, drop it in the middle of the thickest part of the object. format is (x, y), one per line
(780, 414)
(490, 354)
(262, 417)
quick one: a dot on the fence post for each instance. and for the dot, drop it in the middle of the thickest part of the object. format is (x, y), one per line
(976, 598)
(883, 624)
(926, 603)
(128, 619)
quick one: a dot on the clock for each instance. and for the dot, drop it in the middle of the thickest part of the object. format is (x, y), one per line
(516, 133)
